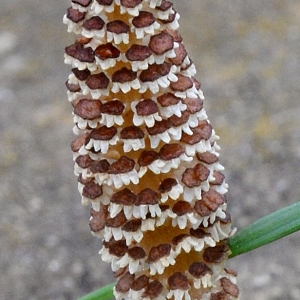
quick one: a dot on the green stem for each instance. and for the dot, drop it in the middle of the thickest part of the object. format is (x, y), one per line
(105, 293)
(264, 231)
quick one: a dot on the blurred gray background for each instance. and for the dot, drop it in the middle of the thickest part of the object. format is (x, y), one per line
(248, 58)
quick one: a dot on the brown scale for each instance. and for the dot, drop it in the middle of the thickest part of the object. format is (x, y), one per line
(123, 75)
(74, 88)
(193, 104)
(229, 287)
(165, 5)
(179, 238)
(83, 40)
(116, 221)
(178, 281)
(131, 3)
(138, 53)
(219, 296)
(167, 184)
(75, 15)
(97, 81)
(140, 282)
(94, 23)
(202, 131)
(181, 208)
(136, 253)
(177, 121)
(158, 252)
(121, 166)
(105, 2)
(84, 161)
(132, 225)
(175, 34)
(153, 289)
(81, 74)
(117, 27)
(161, 43)
(125, 282)
(99, 166)
(207, 157)
(88, 109)
(116, 248)
(98, 221)
(210, 202)
(219, 178)
(170, 19)
(147, 197)
(181, 54)
(103, 133)
(182, 84)
(84, 3)
(168, 99)
(113, 107)
(78, 51)
(146, 107)
(199, 269)
(92, 190)
(78, 142)
(159, 127)
(106, 51)
(193, 177)
(144, 19)
(155, 71)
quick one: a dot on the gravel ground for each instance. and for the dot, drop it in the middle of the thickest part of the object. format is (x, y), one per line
(248, 60)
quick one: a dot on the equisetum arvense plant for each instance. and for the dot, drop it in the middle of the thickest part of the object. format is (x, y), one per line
(146, 155)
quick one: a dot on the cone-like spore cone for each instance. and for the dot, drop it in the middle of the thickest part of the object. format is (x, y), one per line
(146, 155)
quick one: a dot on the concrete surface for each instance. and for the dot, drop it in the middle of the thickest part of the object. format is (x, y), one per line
(248, 60)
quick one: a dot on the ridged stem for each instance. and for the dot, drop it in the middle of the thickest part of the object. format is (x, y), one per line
(266, 230)
(105, 293)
